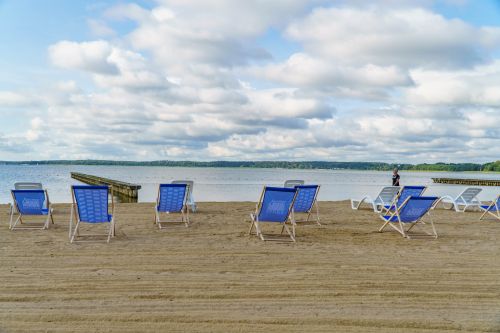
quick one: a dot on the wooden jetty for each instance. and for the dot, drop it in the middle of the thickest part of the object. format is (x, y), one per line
(127, 191)
(464, 181)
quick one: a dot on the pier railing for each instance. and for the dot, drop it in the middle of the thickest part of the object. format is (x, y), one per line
(120, 188)
(463, 181)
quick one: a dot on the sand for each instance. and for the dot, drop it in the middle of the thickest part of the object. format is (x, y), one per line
(343, 276)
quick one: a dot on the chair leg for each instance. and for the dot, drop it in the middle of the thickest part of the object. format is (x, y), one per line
(317, 213)
(47, 222)
(11, 217)
(251, 224)
(383, 226)
(111, 231)
(291, 234)
(75, 232)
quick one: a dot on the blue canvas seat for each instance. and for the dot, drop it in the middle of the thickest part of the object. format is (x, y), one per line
(190, 202)
(306, 202)
(275, 206)
(172, 198)
(30, 203)
(404, 193)
(410, 213)
(492, 209)
(91, 206)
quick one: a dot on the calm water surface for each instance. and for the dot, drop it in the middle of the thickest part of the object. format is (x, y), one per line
(231, 184)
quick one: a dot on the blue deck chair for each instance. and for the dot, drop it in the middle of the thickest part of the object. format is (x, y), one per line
(91, 206)
(275, 206)
(172, 198)
(404, 193)
(493, 209)
(190, 202)
(306, 202)
(410, 212)
(30, 203)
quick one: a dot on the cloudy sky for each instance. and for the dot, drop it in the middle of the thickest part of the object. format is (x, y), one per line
(405, 81)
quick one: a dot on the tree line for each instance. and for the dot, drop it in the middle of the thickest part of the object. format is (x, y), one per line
(379, 166)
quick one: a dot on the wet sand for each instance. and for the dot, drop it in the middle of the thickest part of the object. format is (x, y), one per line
(342, 276)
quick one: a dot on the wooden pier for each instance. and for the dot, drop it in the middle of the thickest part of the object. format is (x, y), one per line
(127, 192)
(463, 181)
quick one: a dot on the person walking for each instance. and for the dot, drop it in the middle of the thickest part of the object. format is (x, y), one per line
(395, 177)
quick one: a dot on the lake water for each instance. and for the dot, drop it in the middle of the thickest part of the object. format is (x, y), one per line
(231, 184)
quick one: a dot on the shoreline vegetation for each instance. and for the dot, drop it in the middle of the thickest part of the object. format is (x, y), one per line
(375, 166)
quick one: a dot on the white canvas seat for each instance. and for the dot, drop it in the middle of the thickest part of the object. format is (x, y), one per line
(384, 198)
(466, 199)
(291, 183)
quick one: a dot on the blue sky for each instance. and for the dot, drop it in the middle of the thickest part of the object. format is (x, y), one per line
(172, 79)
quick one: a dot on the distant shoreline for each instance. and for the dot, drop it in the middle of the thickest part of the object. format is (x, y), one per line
(298, 165)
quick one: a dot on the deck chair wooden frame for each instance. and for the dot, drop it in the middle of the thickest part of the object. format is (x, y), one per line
(256, 223)
(184, 211)
(493, 209)
(398, 224)
(15, 209)
(74, 233)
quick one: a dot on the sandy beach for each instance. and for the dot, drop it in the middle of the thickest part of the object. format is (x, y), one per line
(342, 276)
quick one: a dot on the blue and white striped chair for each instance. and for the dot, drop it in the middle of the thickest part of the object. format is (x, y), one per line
(275, 206)
(306, 202)
(410, 213)
(30, 203)
(172, 198)
(91, 206)
(493, 209)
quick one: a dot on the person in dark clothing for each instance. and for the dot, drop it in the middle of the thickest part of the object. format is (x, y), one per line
(395, 177)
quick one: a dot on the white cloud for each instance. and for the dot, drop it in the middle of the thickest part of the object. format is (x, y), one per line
(476, 86)
(88, 56)
(407, 37)
(100, 28)
(192, 80)
(305, 71)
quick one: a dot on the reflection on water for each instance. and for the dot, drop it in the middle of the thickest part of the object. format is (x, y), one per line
(231, 184)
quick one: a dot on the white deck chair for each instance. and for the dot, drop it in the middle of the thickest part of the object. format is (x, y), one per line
(190, 197)
(384, 198)
(28, 186)
(291, 183)
(468, 198)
